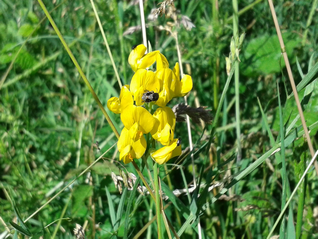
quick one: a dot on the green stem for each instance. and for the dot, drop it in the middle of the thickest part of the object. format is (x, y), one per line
(309, 20)
(78, 67)
(301, 203)
(143, 180)
(158, 201)
(283, 169)
(61, 217)
(237, 84)
(242, 11)
(216, 61)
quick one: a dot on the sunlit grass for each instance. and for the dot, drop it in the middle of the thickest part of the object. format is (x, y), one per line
(53, 132)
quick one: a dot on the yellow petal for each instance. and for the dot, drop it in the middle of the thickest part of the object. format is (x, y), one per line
(137, 114)
(127, 116)
(138, 80)
(143, 81)
(123, 140)
(125, 97)
(164, 131)
(164, 76)
(113, 104)
(127, 154)
(176, 70)
(129, 148)
(162, 62)
(186, 84)
(134, 132)
(140, 147)
(135, 55)
(162, 155)
(116, 105)
(164, 97)
(152, 57)
(138, 96)
(145, 120)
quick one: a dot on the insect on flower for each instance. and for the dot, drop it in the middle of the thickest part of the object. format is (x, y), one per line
(150, 96)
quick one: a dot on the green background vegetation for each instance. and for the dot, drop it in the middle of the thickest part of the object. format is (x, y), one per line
(49, 122)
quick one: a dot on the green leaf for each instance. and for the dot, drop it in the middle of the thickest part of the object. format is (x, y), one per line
(111, 207)
(80, 194)
(25, 30)
(21, 229)
(32, 17)
(120, 208)
(105, 168)
(263, 54)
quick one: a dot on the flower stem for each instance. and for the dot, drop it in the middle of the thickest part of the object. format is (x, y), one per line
(158, 201)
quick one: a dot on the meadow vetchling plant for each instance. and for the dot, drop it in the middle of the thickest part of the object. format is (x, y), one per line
(148, 88)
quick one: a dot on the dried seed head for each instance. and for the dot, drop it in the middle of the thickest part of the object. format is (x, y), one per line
(115, 180)
(130, 184)
(186, 22)
(180, 110)
(162, 9)
(120, 188)
(153, 16)
(132, 30)
(79, 232)
(124, 176)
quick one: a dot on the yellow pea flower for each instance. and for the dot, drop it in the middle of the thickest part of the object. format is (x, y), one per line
(117, 105)
(137, 114)
(162, 155)
(139, 60)
(163, 131)
(131, 148)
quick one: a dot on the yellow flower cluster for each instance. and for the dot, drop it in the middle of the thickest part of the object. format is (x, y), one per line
(156, 88)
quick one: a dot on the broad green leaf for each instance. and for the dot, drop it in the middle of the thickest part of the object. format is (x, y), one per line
(80, 194)
(33, 17)
(26, 30)
(263, 54)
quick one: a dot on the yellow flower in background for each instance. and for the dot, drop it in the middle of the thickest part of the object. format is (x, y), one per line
(117, 105)
(139, 60)
(162, 155)
(130, 146)
(137, 114)
(163, 131)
